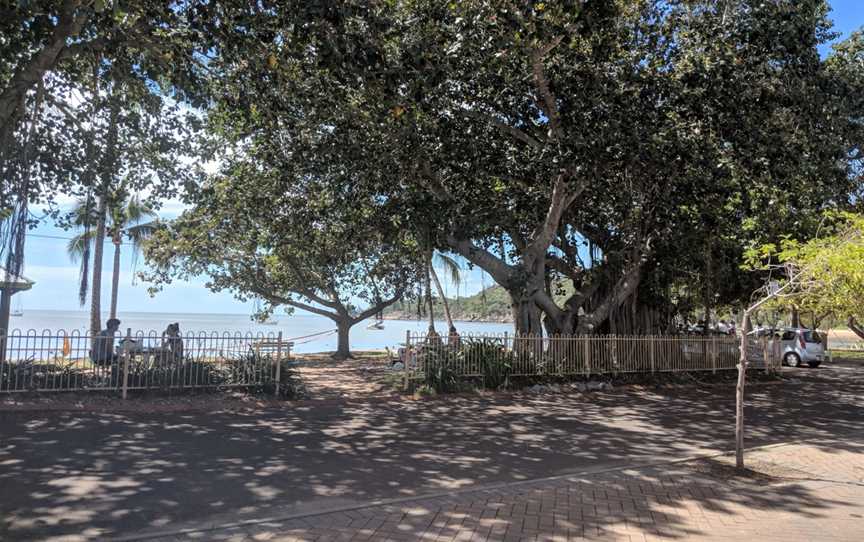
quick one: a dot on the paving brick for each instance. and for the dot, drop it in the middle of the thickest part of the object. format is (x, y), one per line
(822, 498)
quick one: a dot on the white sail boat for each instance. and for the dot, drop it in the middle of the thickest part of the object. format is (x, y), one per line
(18, 310)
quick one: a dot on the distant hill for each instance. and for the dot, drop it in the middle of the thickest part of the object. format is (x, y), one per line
(490, 305)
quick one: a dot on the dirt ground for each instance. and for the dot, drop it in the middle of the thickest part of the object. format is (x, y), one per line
(842, 335)
(367, 375)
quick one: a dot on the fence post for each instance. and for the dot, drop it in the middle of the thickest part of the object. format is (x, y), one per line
(405, 361)
(766, 358)
(713, 354)
(651, 341)
(587, 354)
(278, 362)
(125, 354)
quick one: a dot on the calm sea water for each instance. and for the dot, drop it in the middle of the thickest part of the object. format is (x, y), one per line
(296, 325)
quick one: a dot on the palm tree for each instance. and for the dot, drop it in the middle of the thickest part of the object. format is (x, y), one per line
(452, 267)
(431, 333)
(126, 217)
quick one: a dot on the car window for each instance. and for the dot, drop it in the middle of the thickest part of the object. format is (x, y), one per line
(788, 335)
(812, 337)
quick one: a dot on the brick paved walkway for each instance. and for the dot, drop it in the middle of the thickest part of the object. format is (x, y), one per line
(794, 492)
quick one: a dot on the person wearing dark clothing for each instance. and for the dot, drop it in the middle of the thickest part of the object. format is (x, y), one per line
(172, 344)
(103, 345)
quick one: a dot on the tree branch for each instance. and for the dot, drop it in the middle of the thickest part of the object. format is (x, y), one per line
(562, 198)
(380, 306)
(563, 267)
(624, 287)
(854, 327)
(279, 300)
(431, 181)
(309, 293)
(548, 102)
(505, 128)
(68, 24)
(500, 271)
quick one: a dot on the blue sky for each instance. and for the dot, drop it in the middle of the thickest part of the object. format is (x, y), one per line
(56, 276)
(848, 16)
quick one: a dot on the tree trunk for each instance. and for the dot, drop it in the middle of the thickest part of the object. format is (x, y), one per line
(795, 317)
(108, 166)
(115, 277)
(852, 322)
(709, 291)
(96, 286)
(429, 298)
(739, 392)
(343, 328)
(526, 315)
(447, 314)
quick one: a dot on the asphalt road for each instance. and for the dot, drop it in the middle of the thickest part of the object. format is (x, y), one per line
(103, 475)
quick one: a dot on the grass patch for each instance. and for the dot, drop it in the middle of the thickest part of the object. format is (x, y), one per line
(848, 355)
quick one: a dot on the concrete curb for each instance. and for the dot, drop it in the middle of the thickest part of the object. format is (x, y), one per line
(405, 500)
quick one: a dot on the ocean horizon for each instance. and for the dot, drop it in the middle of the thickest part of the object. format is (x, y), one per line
(292, 326)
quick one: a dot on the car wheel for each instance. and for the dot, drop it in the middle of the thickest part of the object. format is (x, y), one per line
(814, 364)
(792, 360)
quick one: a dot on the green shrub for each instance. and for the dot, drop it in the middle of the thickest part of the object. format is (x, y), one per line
(28, 374)
(438, 372)
(496, 363)
(189, 373)
(246, 370)
(291, 385)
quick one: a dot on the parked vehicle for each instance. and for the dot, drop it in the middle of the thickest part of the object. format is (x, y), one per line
(801, 345)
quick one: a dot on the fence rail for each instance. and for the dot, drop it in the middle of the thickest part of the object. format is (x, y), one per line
(75, 361)
(475, 356)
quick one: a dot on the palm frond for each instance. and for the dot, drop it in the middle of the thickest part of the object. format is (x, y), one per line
(83, 213)
(135, 212)
(451, 267)
(79, 245)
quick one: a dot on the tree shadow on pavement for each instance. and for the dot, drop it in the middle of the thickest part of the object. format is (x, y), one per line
(100, 475)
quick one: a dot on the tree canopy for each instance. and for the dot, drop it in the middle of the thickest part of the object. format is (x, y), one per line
(606, 163)
(306, 243)
(578, 142)
(825, 275)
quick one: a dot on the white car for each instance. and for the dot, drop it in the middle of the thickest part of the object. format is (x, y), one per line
(800, 345)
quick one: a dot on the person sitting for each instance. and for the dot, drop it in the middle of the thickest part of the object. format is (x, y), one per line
(453, 339)
(103, 344)
(172, 344)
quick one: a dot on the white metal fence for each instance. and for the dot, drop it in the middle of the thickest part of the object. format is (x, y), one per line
(476, 356)
(74, 361)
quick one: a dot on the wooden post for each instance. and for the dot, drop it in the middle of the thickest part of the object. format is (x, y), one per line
(278, 362)
(587, 354)
(405, 361)
(651, 341)
(713, 354)
(739, 393)
(125, 354)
